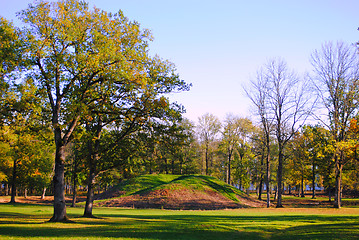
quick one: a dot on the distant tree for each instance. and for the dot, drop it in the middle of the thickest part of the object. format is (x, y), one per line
(230, 140)
(208, 128)
(336, 82)
(297, 164)
(235, 136)
(27, 139)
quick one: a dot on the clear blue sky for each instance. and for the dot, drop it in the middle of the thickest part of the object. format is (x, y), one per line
(217, 45)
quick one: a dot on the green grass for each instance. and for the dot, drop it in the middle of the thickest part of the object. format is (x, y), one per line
(146, 183)
(22, 221)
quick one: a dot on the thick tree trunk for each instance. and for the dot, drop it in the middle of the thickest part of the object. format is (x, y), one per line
(93, 160)
(338, 183)
(279, 178)
(25, 193)
(260, 188)
(59, 183)
(90, 194)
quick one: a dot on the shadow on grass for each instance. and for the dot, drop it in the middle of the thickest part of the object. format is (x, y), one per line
(186, 226)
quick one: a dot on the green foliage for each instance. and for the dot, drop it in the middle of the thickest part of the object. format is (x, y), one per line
(26, 140)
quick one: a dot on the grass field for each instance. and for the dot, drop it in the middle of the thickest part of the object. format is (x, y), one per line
(24, 221)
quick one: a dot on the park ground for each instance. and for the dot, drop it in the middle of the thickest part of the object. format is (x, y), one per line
(301, 218)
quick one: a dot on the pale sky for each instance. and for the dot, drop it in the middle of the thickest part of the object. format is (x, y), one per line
(217, 45)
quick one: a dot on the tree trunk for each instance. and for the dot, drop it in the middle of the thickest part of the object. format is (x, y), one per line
(206, 159)
(93, 160)
(229, 169)
(90, 194)
(279, 178)
(338, 181)
(268, 175)
(302, 185)
(13, 184)
(59, 181)
(260, 188)
(313, 182)
(74, 187)
(330, 194)
(43, 193)
(261, 177)
(25, 193)
(74, 195)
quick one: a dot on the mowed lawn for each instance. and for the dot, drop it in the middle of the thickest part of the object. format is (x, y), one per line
(22, 221)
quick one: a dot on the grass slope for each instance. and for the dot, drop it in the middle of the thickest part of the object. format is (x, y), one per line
(176, 192)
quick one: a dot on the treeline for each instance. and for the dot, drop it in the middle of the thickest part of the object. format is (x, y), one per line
(78, 85)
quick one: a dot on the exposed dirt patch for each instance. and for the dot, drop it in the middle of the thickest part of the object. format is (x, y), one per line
(306, 203)
(48, 200)
(180, 199)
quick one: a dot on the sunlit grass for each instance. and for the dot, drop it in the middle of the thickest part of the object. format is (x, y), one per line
(22, 221)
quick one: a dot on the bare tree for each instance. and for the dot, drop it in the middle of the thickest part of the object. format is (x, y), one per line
(257, 92)
(336, 82)
(208, 127)
(283, 107)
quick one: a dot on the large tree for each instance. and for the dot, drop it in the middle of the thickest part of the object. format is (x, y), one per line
(76, 50)
(336, 82)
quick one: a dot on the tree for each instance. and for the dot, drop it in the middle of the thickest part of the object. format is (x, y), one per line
(74, 51)
(12, 49)
(285, 107)
(335, 80)
(208, 128)
(230, 140)
(297, 165)
(128, 108)
(235, 135)
(258, 94)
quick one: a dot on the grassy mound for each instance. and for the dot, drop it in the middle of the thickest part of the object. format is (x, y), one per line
(176, 192)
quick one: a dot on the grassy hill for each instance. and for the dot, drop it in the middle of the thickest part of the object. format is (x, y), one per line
(176, 192)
